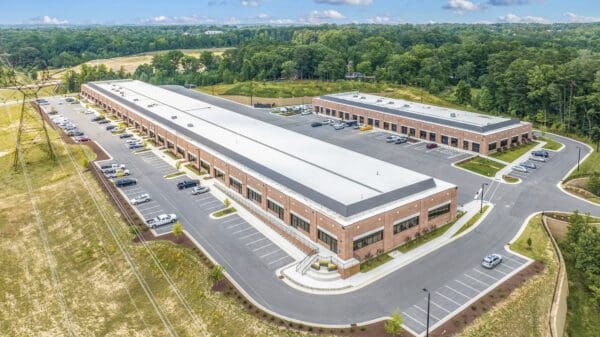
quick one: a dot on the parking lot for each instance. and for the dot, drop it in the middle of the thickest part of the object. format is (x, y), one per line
(540, 167)
(232, 237)
(457, 292)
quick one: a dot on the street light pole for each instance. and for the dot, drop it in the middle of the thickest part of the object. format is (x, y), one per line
(428, 301)
(482, 191)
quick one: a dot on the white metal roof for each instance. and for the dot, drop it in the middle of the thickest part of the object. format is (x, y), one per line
(343, 175)
(440, 114)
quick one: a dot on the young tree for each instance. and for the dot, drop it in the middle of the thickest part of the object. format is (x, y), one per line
(485, 100)
(289, 69)
(393, 326)
(216, 274)
(177, 230)
(463, 93)
(593, 184)
(595, 136)
(529, 243)
(226, 202)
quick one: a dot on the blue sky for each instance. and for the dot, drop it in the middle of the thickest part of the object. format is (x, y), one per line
(60, 12)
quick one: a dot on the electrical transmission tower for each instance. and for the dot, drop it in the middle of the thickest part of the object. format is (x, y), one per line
(30, 132)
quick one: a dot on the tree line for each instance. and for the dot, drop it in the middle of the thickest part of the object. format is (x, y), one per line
(549, 74)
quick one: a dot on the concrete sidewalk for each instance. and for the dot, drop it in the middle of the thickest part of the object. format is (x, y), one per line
(307, 284)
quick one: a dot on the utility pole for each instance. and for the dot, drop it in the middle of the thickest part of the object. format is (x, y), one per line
(428, 302)
(482, 192)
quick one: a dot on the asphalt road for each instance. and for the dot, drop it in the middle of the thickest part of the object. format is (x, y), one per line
(451, 273)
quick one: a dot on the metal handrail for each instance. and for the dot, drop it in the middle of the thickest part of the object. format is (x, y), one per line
(308, 257)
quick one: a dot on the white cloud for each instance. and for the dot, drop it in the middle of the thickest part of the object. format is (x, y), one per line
(581, 18)
(509, 2)
(263, 16)
(177, 20)
(345, 2)
(462, 5)
(48, 20)
(249, 3)
(321, 16)
(384, 20)
(513, 18)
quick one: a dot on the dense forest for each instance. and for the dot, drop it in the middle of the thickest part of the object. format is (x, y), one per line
(543, 73)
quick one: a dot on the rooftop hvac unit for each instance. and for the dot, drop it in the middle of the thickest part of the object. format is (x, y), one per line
(362, 97)
(379, 100)
(406, 106)
(453, 115)
(391, 102)
(190, 125)
(173, 117)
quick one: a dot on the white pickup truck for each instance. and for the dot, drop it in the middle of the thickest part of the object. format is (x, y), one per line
(161, 220)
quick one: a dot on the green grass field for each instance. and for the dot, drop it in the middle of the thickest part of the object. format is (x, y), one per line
(551, 144)
(525, 312)
(81, 279)
(512, 154)
(471, 221)
(15, 95)
(481, 165)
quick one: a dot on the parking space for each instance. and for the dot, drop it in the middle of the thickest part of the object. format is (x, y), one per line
(457, 292)
(157, 163)
(540, 166)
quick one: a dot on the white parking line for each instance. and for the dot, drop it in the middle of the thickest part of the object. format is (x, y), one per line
(413, 319)
(468, 286)
(263, 247)
(230, 220)
(237, 224)
(243, 230)
(271, 253)
(147, 208)
(478, 281)
(448, 298)
(249, 235)
(214, 208)
(425, 312)
(504, 266)
(279, 259)
(499, 271)
(154, 212)
(458, 292)
(210, 202)
(484, 274)
(439, 306)
(256, 241)
(456, 155)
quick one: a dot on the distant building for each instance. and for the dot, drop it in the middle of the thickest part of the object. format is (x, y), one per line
(456, 128)
(213, 32)
(358, 76)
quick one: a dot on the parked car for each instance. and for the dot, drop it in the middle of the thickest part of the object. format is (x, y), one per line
(98, 118)
(491, 261)
(125, 135)
(358, 126)
(391, 139)
(111, 127)
(540, 153)
(338, 126)
(351, 123)
(187, 184)
(316, 124)
(366, 127)
(200, 190)
(161, 220)
(540, 159)
(125, 182)
(528, 165)
(74, 133)
(112, 166)
(133, 141)
(116, 174)
(81, 139)
(116, 130)
(103, 121)
(401, 140)
(88, 112)
(431, 146)
(305, 113)
(140, 199)
(520, 168)
(135, 146)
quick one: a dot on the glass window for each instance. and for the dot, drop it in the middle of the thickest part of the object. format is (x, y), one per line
(361, 119)
(423, 134)
(386, 125)
(475, 147)
(253, 195)
(525, 136)
(406, 224)
(367, 240)
(276, 208)
(434, 213)
(235, 184)
(376, 123)
(465, 144)
(432, 136)
(346, 116)
(219, 174)
(404, 129)
(327, 239)
(355, 117)
(298, 222)
(341, 114)
(444, 139)
(370, 121)
(412, 132)
(180, 150)
(394, 127)
(504, 143)
(454, 141)
(191, 157)
(514, 139)
(492, 146)
(205, 165)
